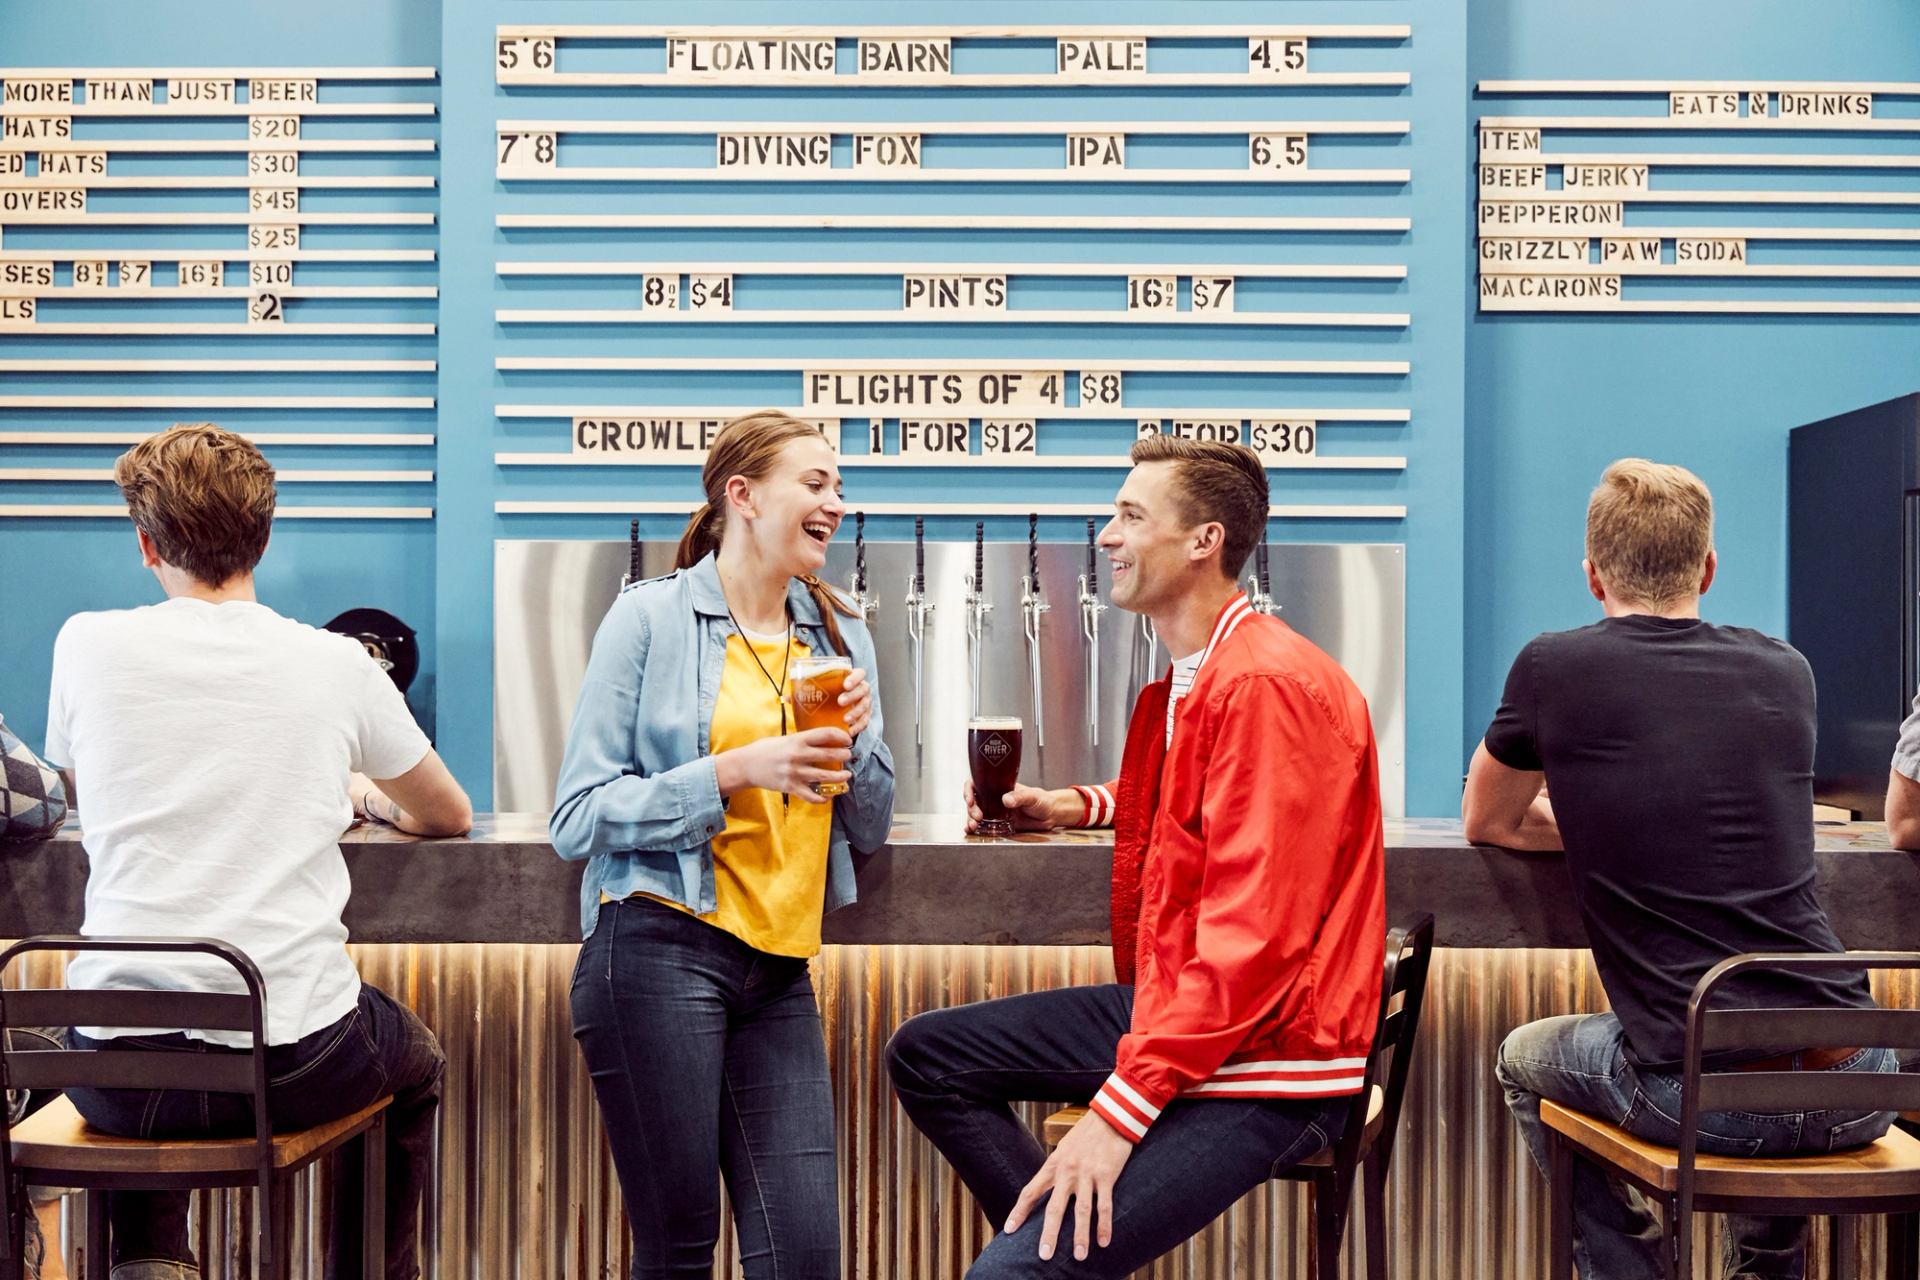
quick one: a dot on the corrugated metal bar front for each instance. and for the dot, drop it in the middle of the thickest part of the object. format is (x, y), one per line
(527, 1189)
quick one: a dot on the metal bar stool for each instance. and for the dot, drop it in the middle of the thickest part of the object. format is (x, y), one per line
(1373, 1119)
(1881, 1177)
(55, 1147)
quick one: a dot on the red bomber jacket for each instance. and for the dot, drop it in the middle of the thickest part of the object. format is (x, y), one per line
(1249, 889)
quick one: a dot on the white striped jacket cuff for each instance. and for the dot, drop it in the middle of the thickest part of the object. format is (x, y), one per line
(1098, 802)
(1122, 1106)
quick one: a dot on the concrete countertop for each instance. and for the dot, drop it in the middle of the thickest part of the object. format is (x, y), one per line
(933, 883)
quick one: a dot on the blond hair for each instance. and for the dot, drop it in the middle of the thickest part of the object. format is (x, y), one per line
(1649, 531)
(1214, 481)
(749, 446)
(203, 495)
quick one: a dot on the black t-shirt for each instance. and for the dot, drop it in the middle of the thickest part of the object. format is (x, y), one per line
(1679, 758)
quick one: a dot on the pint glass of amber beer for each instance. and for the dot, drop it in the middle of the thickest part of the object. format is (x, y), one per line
(993, 755)
(817, 684)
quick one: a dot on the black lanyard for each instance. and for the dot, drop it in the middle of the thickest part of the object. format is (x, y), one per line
(780, 685)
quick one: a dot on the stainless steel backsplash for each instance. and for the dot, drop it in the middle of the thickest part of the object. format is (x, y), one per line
(549, 597)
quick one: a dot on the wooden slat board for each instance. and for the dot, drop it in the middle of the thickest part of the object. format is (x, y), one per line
(584, 141)
(1562, 210)
(1347, 511)
(1222, 223)
(253, 274)
(118, 511)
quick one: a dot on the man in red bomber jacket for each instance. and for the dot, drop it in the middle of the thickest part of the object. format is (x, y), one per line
(1249, 907)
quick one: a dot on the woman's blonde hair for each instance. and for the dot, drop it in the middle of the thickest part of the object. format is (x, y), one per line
(749, 446)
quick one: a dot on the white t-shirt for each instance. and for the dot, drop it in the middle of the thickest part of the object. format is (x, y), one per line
(1184, 670)
(211, 746)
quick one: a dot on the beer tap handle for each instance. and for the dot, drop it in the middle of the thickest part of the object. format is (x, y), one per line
(1031, 607)
(1033, 551)
(633, 556)
(919, 555)
(867, 605)
(1262, 598)
(977, 607)
(860, 553)
(979, 556)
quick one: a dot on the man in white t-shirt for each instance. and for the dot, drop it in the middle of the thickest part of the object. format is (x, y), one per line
(223, 750)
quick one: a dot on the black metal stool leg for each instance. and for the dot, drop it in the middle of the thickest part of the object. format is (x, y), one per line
(373, 1191)
(277, 1264)
(1903, 1246)
(1559, 1208)
(1373, 1171)
(99, 1261)
(19, 1209)
(1843, 1239)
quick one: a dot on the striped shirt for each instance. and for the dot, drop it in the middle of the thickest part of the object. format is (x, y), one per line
(1184, 670)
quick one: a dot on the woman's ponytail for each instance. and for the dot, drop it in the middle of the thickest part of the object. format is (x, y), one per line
(830, 602)
(699, 539)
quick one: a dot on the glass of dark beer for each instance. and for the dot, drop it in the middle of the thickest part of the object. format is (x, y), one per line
(993, 755)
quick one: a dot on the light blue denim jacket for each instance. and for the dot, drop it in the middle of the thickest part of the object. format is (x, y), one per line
(638, 796)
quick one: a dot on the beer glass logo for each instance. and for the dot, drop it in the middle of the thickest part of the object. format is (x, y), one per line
(995, 749)
(810, 696)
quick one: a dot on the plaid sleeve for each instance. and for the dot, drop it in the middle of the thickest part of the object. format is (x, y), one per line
(33, 803)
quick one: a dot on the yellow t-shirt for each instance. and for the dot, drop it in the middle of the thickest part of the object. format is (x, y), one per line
(770, 861)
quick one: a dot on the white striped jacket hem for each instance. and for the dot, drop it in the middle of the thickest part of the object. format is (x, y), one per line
(1122, 1106)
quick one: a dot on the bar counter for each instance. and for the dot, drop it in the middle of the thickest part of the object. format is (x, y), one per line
(933, 883)
(479, 936)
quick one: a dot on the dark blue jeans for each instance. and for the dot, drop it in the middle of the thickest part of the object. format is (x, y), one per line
(708, 1060)
(956, 1071)
(1580, 1061)
(379, 1048)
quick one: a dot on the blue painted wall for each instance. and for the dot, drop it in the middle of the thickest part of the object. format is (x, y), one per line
(1514, 416)
(50, 568)
(1434, 295)
(1552, 399)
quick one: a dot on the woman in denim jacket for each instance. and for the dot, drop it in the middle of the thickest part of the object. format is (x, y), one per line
(711, 859)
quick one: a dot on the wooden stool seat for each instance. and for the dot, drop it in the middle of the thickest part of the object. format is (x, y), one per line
(56, 1139)
(1060, 1122)
(1889, 1166)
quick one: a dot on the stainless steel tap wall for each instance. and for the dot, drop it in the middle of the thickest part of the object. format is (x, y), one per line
(527, 1189)
(549, 598)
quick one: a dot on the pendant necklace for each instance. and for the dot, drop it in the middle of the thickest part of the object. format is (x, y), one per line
(780, 685)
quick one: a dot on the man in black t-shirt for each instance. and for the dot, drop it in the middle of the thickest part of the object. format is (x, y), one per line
(1679, 761)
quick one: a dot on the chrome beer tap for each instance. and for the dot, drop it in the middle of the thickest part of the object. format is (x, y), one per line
(1090, 611)
(1261, 598)
(1032, 605)
(866, 604)
(977, 606)
(918, 607)
(1152, 638)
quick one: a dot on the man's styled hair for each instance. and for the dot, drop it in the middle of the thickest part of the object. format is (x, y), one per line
(203, 495)
(1215, 482)
(1649, 529)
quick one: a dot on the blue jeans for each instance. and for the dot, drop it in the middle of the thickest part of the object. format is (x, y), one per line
(1580, 1061)
(379, 1048)
(956, 1070)
(708, 1060)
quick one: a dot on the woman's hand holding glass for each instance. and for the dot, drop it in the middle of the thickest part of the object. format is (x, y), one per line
(856, 701)
(795, 763)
